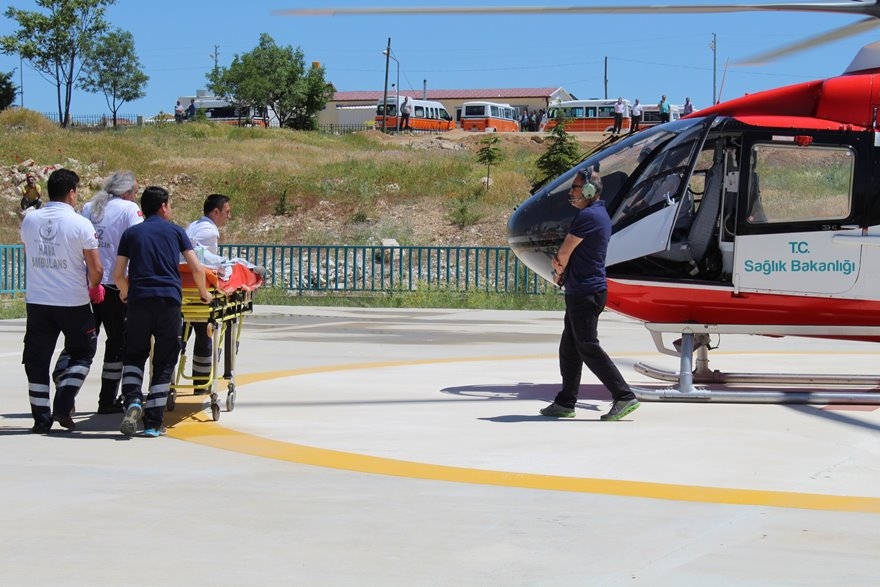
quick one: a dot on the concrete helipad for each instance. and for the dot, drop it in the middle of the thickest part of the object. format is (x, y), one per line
(403, 447)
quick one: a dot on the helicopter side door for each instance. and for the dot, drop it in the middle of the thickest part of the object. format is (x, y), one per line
(644, 219)
(796, 216)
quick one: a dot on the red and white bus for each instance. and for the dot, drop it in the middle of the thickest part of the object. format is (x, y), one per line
(489, 117)
(586, 115)
(425, 115)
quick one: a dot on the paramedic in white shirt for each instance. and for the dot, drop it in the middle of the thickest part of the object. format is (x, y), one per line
(63, 274)
(635, 117)
(205, 232)
(111, 211)
(619, 111)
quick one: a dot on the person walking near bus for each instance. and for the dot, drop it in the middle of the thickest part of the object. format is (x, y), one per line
(663, 109)
(619, 111)
(405, 111)
(205, 232)
(688, 107)
(635, 117)
(579, 265)
(63, 275)
(148, 277)
(112, 211)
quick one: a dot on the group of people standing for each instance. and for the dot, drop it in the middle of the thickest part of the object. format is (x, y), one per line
(637, 110)
(530, 121)
(115, 266)
(181, 113)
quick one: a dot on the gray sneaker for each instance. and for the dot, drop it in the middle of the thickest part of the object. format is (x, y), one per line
(619, 409)
(554, 410)
(133, 413)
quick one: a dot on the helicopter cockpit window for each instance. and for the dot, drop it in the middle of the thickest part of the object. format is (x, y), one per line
(660, 182)
(789, 183)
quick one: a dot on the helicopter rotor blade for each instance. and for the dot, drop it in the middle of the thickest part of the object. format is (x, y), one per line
(855, 28)
(867, 8)
(857, 7)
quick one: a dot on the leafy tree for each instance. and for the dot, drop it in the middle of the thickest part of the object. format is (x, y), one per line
(114, 69)
(562, 153)
(489, 154)
(274, 77)
(8, 90)
(54, 43)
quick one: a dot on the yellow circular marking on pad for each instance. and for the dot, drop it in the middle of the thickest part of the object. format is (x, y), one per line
(195, 427)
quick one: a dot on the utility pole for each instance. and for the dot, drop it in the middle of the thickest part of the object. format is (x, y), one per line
(385, 97)
(21, 78)
(714, 46)
(216, 57)
(606, 77)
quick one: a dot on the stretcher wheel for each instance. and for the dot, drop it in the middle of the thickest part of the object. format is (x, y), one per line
(230, 398)
(171, 402)
(215, 412)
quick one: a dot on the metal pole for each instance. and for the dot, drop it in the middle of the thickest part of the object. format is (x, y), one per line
(21, 77)
(398, 93)
(714, 69)
(606, 77)
(385, 95)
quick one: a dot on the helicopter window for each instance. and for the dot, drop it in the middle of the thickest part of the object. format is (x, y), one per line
(660, 184)
(795, 184)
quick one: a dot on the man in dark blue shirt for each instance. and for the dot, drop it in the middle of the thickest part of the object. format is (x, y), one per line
(148, 277)
(580, 265)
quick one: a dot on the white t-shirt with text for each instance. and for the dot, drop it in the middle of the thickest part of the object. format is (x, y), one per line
(54, 238)
(119, 214)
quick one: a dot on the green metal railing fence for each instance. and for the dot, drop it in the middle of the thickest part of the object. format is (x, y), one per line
(11, 269)
(345, 268)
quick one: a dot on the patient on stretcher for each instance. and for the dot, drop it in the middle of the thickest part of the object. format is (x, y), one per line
(223, 266)
(225, 274)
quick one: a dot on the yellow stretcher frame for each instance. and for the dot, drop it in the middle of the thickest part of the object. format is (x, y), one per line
(224, 317)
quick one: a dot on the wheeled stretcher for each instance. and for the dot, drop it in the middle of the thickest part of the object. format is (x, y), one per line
(233, 298)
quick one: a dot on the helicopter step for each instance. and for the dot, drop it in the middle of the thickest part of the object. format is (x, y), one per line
(695, 340)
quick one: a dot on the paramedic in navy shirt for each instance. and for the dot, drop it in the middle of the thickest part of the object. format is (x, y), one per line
(580, 266)
(150, 252)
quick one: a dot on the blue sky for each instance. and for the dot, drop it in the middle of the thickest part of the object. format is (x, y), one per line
(648, 55)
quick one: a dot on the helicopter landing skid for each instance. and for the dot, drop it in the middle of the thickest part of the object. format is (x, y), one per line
(695, 340)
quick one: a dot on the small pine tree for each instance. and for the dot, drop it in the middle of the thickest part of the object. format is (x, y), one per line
(281, 206)
(489, 154)
(7, 90)
(562, 153)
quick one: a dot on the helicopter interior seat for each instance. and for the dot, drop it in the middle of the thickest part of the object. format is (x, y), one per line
(612, 183)
(693, 248)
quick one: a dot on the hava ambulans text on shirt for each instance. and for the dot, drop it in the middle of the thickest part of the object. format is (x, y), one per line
(47, 257)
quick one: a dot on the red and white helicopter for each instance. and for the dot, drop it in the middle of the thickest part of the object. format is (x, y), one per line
(760, 215)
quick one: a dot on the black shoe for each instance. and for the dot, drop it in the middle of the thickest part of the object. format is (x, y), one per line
(66, 421)
(42, 428)
(111, 409)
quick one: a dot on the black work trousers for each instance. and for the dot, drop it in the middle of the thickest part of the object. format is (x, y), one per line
(44, 324)
(579, 345)
(111, 315)
(203, 354)
(158, 319)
